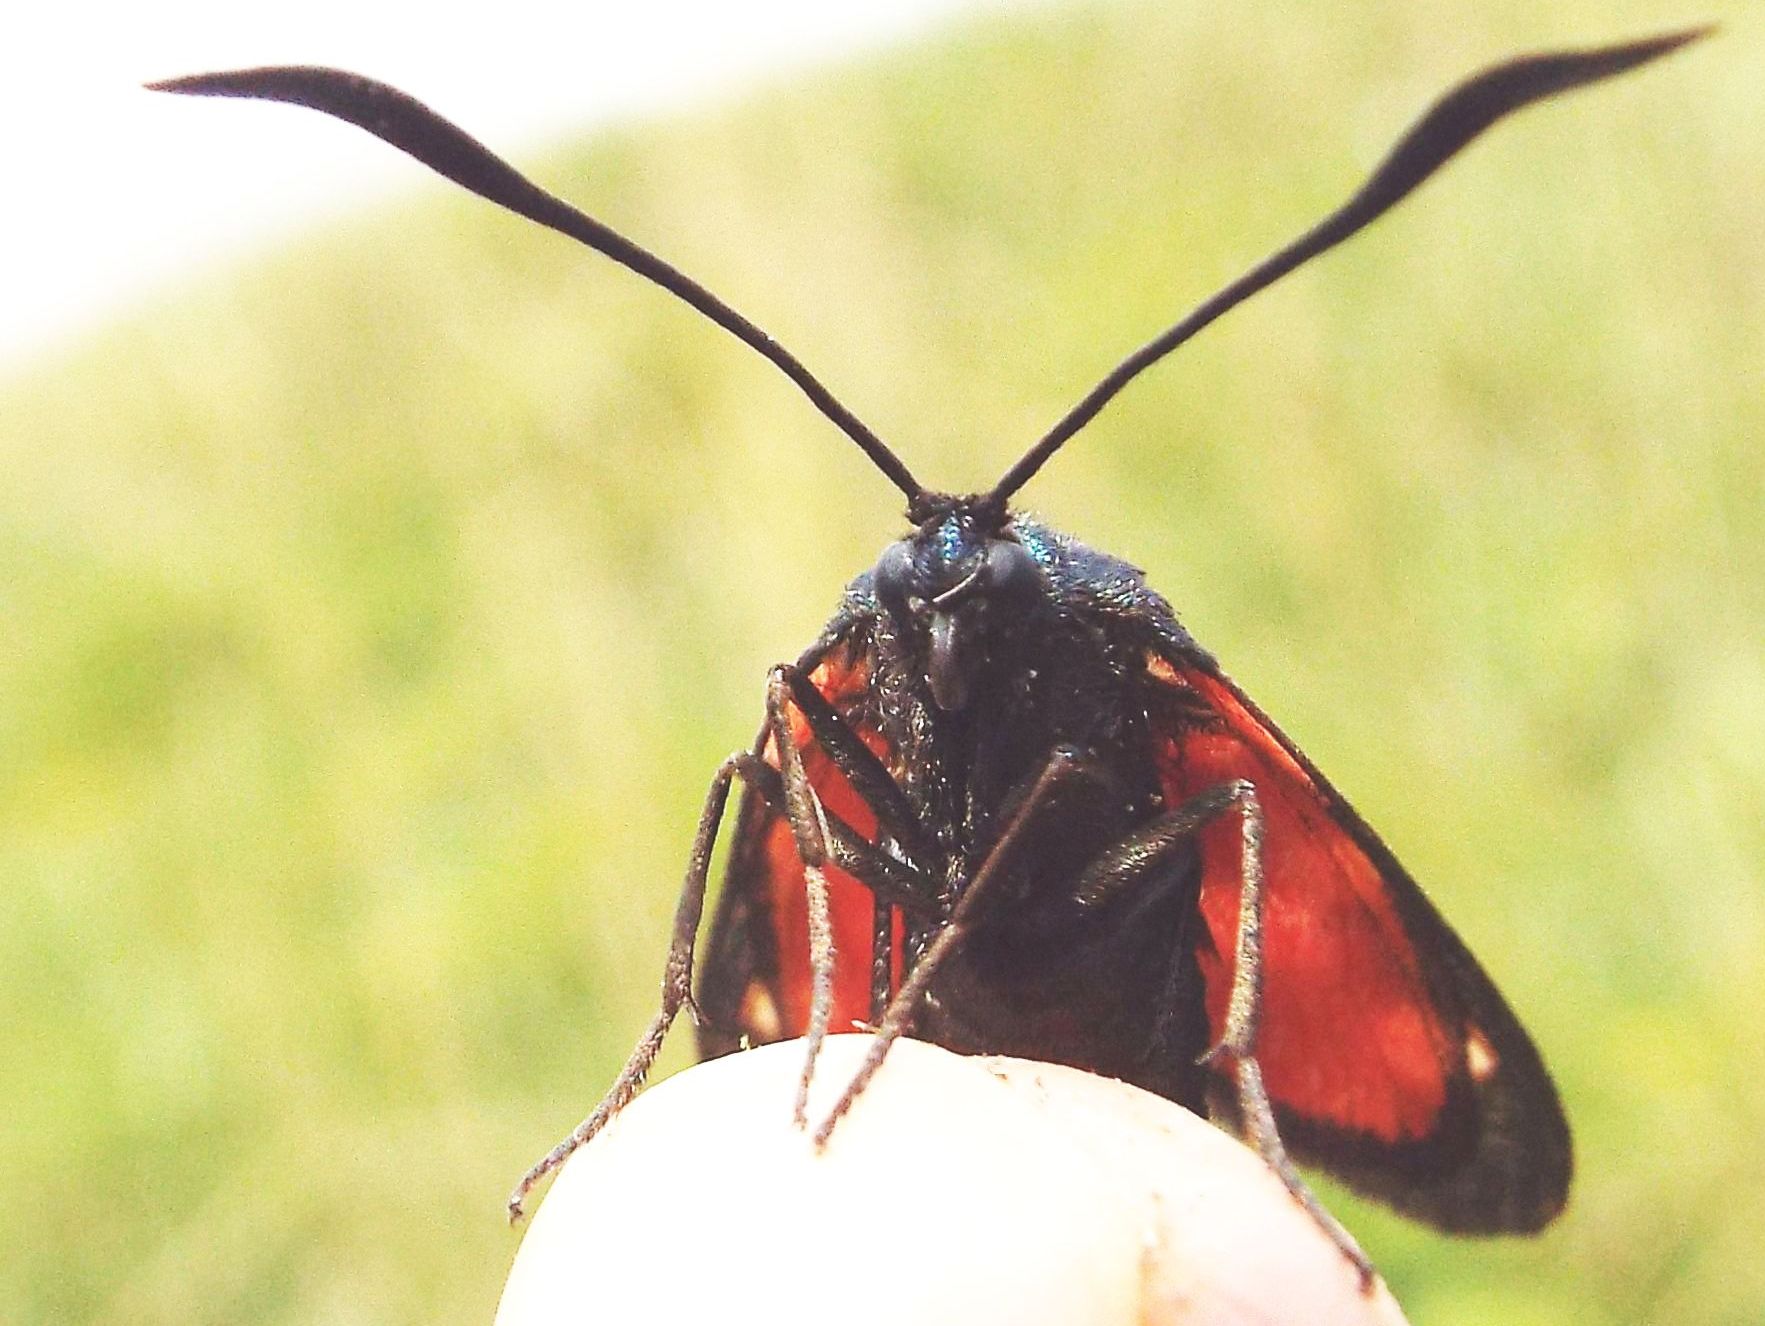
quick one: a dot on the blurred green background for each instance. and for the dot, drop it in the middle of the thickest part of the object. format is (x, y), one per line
(374, 616)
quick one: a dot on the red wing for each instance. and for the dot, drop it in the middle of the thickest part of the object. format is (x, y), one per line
(1389, 1055)
(756, 977)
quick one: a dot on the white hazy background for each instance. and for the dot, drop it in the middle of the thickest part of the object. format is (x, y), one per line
(108, 192)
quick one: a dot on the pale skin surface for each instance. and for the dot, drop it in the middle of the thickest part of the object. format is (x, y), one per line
(959, 1189)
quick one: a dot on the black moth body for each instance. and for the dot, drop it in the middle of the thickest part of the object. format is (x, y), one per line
(1043, 656)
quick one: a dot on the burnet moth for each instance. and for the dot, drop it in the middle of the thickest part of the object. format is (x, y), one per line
(1006, 803)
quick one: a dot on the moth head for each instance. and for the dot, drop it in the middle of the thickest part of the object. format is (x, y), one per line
(951, 587)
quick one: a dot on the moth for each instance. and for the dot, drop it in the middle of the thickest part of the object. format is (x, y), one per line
(1008, 804)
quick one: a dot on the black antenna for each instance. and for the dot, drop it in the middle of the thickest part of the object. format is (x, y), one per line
(407, 124)
(1455, 120)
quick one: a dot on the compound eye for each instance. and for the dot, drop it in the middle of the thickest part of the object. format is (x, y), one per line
(1010, 570)
(893, 574)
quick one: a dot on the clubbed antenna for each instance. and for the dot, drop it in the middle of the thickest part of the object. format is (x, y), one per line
(401, 120)
(1455, 120)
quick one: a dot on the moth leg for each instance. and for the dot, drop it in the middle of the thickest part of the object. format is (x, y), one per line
(895, 881)
(1130, 861)
(875, 785)
(809, 829)
(882, 957)
(1061, 766)
(818, 843)
(676, 977)
(892, 883)
(895, 817)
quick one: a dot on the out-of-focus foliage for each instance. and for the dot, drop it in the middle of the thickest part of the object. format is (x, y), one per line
(373, 617)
